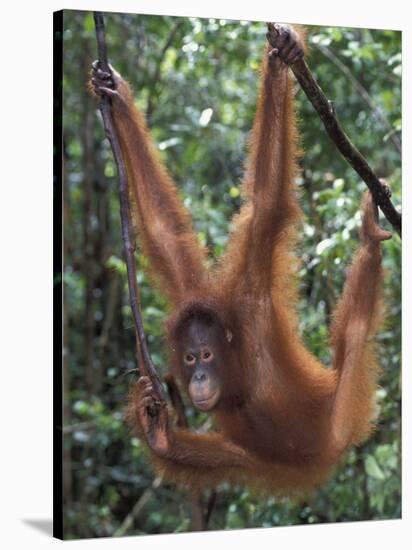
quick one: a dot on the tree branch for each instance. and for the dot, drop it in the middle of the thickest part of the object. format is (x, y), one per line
(147, 494)
(343, 143)
(199, 516)
(177, 401)
(144, 359)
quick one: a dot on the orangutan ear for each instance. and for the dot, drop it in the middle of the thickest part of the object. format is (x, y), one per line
(229, 335)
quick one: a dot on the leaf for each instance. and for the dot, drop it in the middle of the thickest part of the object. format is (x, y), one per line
(373, 469)
(323, 246)
(339, 184)
(234, 192)
(205, 117)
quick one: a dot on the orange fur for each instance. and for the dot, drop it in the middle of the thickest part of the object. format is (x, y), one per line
(286, 419)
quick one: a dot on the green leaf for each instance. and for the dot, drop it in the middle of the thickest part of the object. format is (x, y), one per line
(234, 192)
(323, 246)
(373, 469)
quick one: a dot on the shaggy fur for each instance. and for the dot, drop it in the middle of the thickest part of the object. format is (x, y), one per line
(284, 419)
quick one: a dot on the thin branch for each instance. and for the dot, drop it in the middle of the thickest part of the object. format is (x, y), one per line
(137, 508)
(177, 401)
(210, 504)
(145, 361)
(79, 426)
(200, 514)
(343, 143)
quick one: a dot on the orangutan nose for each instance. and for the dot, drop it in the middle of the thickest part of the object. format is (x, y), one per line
(200, 377)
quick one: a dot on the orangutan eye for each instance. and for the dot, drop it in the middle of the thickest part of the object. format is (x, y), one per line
(190, 359)
(207, 355)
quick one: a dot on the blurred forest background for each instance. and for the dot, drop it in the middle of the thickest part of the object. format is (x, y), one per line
(196, 80)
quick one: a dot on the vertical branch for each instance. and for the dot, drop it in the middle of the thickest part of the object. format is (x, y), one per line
(89, 243)
(177, 401)
(145, 361)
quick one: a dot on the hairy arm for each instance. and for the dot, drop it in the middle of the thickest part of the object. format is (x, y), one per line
(271, 206)
(357, 317)
(179, 447)
(165, 230)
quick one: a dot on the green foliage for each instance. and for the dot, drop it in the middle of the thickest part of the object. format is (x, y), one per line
(199, 95)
